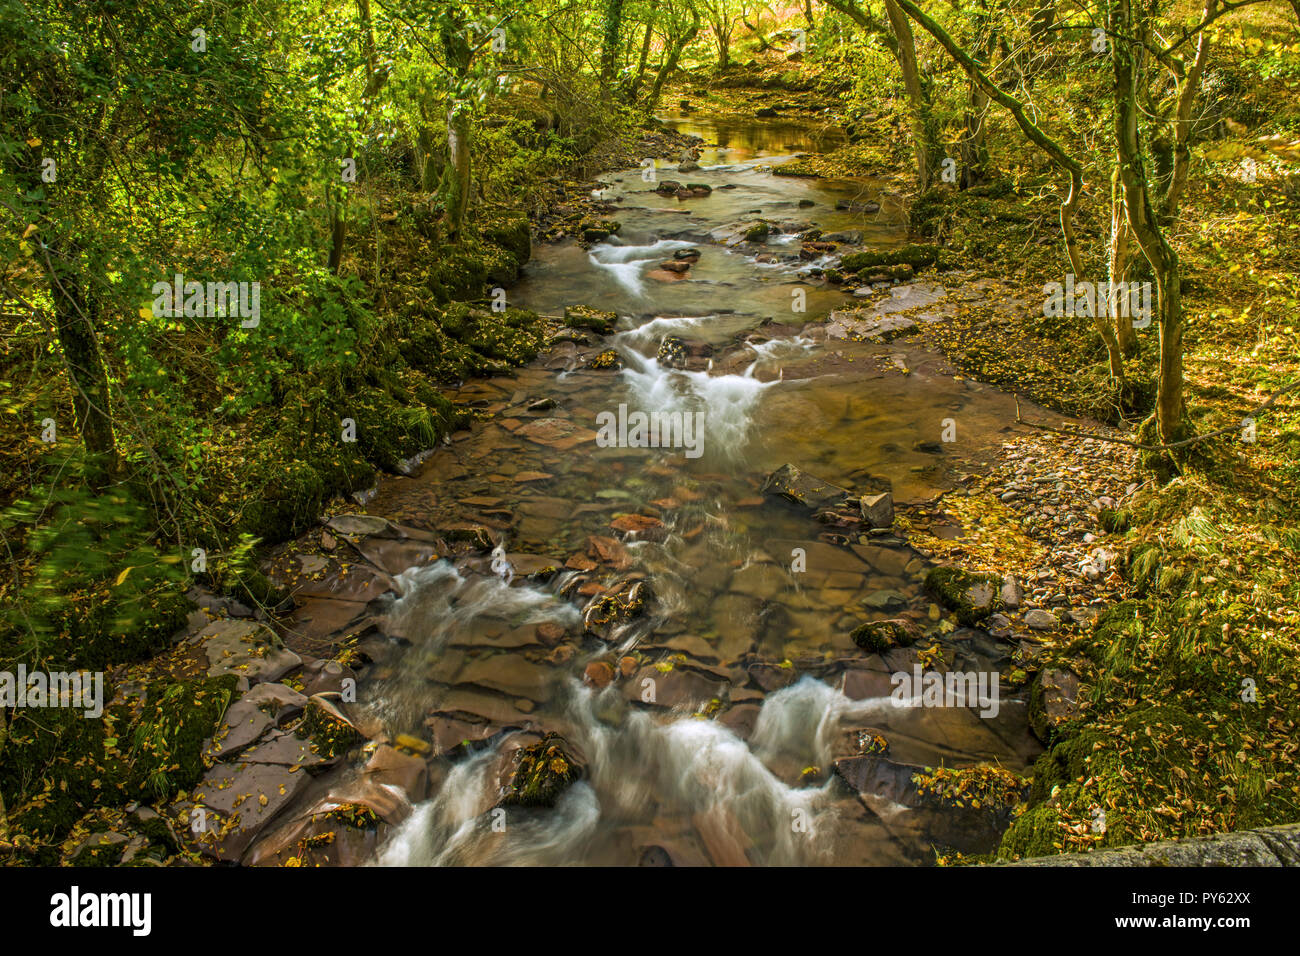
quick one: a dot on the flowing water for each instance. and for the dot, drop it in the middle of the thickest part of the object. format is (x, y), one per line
(743, 683)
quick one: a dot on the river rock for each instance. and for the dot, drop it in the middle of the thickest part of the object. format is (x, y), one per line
(1041, 620)
(388, 766)
(243, 724)
(586, 317)
(232, 804)
(1013, 595)
(973, 596)
(878, 636)
(878, 510)
(540, 773)
(245, 648)
(803, 489)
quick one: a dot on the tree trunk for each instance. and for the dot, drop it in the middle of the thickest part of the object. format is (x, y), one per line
(457, 180)
(1120, 260)
(639, 78)
(974, 155)
(75, 314)
(1170, 410)
(925, 135)
(670, 63)
(898, 37)
(609, 50)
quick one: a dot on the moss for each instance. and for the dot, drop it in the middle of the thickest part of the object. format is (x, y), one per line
(329, 735)
(596, 230)
(94, 633)
(542, 772)
(880, 636)
(99, 852)
(388, 432)
(918, 256)
(465, 269)
(1036, 832)
(758, 232)
(166, 743)
(57, 764)
(972, 596)
(512, 234)
(594, 320)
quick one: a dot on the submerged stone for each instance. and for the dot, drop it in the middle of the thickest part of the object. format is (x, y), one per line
(972, 596)
(542, 772)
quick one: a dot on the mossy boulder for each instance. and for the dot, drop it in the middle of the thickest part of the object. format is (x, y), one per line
(593, 320)
(1053, 700)
(597, 230)
(56, 764)
(512, 234)
(758, 232)
(607, 359)
(542, 772)
(974, 597)
(880, 636)
(916, 256)
(330, 730)
(464, 270)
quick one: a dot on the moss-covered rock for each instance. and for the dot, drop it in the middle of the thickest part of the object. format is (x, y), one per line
(916, 255)
(758, 232)
(607, 359)
(974, 597)
(57, 764)
(880, 636)
(597, 230)
(594, 320)
(541, 774)
(512, 234)
(330, 731)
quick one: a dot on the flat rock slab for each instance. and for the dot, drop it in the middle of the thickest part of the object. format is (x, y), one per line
(509, 674)
(678, 688)
(362, 525)
(240, 801)
(285, 749)
(395, 556)
(320, 618)
(354, 583)
(856, 326)
(244, 724)
(247, 649)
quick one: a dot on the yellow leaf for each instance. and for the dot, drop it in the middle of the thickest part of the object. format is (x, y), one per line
(122, 577)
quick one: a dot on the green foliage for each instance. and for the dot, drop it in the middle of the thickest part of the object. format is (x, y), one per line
(100, 586)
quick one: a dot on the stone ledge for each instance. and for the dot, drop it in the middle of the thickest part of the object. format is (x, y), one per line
(1266, 846)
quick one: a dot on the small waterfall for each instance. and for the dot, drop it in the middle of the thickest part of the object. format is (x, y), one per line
(642, 767)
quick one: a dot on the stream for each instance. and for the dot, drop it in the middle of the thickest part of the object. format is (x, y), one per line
(739, 686)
